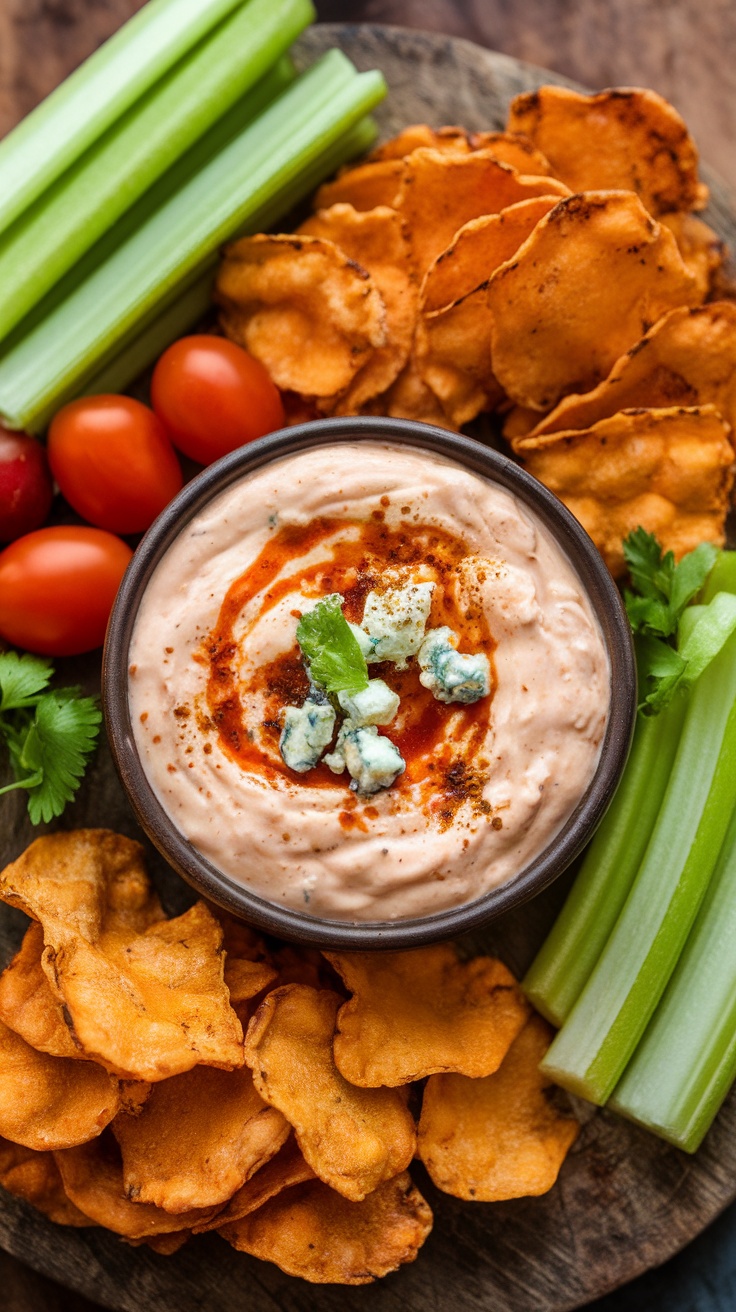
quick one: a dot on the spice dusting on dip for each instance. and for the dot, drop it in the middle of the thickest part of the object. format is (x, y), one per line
(216, 672)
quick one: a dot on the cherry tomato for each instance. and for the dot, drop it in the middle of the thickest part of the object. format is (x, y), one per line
(25, 484)
(113, 462)
(213, 397)
(57, 587)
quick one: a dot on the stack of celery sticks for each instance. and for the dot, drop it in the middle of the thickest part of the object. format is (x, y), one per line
(639, 970)
(188, 127)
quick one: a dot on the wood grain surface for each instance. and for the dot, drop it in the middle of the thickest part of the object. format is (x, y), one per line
(625, 1200)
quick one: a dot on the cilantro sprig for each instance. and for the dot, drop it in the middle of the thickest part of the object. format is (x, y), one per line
(49, 733)
(331, 649)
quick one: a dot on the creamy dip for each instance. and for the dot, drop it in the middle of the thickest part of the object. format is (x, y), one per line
(214, 662)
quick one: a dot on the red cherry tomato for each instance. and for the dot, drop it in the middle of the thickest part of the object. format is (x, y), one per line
(113, 462)
(57, 587)
(25, 484)
(213, 397)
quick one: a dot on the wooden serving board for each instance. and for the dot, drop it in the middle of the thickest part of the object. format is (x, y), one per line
(625, 1201)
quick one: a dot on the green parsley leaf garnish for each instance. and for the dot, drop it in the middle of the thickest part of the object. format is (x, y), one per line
(49, 734)
(331, 649)
(664, 588)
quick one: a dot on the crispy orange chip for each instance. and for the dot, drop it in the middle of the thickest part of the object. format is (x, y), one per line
(310, 1231)
(164, 1245)
(512, 148)
(352, 1138)
(701, 248)
(624, 138)
(51, 1102)
(593, 276)
(199, 1137)
(451, 139)
(498, 1137)
(29, 1005)
(364, 187)
(417, 1012)
(303, 308)
(410, 398)
(669, 470)
(287, 1168)
(35, 1177)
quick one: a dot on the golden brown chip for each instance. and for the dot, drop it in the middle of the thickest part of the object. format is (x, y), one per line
(452, 139)
(304, 965)
(686, 359)
(417, 1012)
(93, 1179)
(593, 276)
(701, 248)
(164, 1245)
(670, 470)
(310, 1231)
(35, 1177)
(287, 1168)
(352, 1138)
(51, 1102)
(246, 979)
(301, 307)
(410, 398)
(624, 138)
(199, 1137)
(29, 1005)
(440, 193)
(519, 422)
(375, 240)
(498, 1137)
(512, 148)
(365, 186)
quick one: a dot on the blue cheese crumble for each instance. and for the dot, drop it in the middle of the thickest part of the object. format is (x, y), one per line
(376, 704)
(395, 621)
(307, 731)
(450, 676)
(372, 761)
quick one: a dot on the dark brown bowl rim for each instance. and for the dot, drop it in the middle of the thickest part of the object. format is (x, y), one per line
(297, 925)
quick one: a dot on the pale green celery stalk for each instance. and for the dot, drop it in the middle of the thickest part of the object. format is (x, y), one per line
(686, 1061)
(722, 577)
(262, 172)
(592, 1049)
(563, 965)
(66, 123)
(179, 317)
(88, 199)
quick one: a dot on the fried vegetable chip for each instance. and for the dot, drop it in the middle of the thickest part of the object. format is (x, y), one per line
(687, 359)
(35, 1177)
(440, 193)
(287, 1168)
(701, 248)
(29, 1005)
(410, 398)
(377, 241)
(497, 1137)
(512, 148)
(593, 276)
(145, 996)
(364, 187)
(164, 1245)
(452, 139)
(310, 1231)
(669, 470)
(199, 1137)
(51, 1102)
(624, 138)
(418, 1012)
(303, 308)
(352, 1138)
(93, 1179)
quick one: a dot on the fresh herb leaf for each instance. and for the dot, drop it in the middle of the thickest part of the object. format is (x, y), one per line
(664, 588)
(661, 669)
(330, 648)
(21, 679)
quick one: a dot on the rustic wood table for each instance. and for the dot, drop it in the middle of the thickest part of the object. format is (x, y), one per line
(683, 49)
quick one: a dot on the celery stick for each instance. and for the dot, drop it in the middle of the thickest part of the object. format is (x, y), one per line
(261, 172)
(722, 577)
(599, 1036)
(686, 1061)
(61, 128)
(565, 961)
(42, 245)
(147, 344)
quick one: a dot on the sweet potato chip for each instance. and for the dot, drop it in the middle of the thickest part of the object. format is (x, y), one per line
(701, 248)
(377, 241)
(451, 139)
(199, 1137)
(593, 276)
(440, 193)
(35, 1177)
(287, 1168)
(51, 1102)
(352, 1138)
(310, 1231)
(688, 358)
(364, 187)
(624, 138)
(29, 1005)
(512, 148)
(410, 398)
(303, 308)
(497, 1137)
(520, 422)
(164, 1245)
(670, 470)
(417, 1012)
(93, 1180)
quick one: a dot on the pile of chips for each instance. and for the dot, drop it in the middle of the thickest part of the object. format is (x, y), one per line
(164, 1077)
(554, 273)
